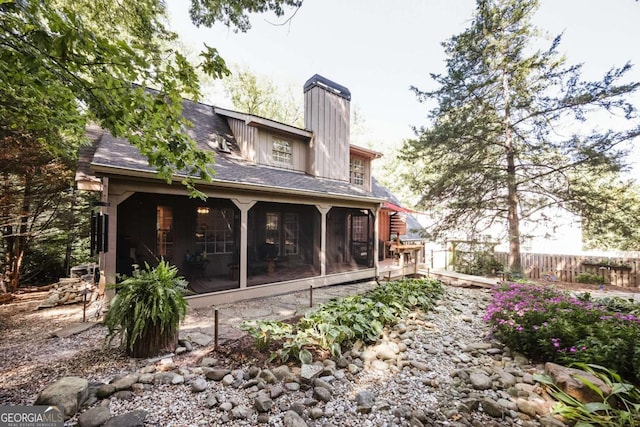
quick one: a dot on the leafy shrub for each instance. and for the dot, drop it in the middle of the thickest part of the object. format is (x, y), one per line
(549, 325)
(590, 278)
(147, 309)
(342, 320)
(620, 408)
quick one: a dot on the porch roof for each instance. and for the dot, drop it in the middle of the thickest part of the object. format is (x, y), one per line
(115, 156)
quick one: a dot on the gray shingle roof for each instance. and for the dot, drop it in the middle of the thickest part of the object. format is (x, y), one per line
(119, 156)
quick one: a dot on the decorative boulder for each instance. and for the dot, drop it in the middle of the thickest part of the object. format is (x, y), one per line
(68, 392)
(564, 378)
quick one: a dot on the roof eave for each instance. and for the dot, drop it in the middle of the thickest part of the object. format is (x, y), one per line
(257, 121)
(364, 152)
(139, 173)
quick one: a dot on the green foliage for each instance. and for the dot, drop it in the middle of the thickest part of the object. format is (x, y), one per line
(549, 325)
(266, 331)
(344, 320)
(607, 225)
(234, 14)
(589, 278)
(619, 408)
(66, 63)
(259, 95)
(151, 298)
(491, 156)
(479, 263)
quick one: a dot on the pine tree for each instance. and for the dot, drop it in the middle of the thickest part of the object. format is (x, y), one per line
(510, 135)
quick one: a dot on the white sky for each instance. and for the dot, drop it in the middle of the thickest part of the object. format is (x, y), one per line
(378, 48)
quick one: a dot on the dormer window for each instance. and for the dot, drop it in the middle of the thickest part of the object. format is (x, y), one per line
(281, 152)
(356, 171)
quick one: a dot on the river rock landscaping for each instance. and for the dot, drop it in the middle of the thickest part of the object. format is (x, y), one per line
(441, 367)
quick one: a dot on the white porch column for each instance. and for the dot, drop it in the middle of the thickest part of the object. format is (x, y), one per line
(244, 204)
(107, 260)
(324, 210)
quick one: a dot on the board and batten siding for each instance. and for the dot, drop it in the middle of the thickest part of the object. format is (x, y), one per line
(256, 145)
(246, 137)
(327, 115)
(298, 151)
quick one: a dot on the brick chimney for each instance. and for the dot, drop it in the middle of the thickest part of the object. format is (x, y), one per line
(327, 114)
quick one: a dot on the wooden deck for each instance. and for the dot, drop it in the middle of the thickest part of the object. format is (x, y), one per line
(389, 270)
(459, 279)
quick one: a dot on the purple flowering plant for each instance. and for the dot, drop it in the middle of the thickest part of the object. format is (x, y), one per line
(547, 324)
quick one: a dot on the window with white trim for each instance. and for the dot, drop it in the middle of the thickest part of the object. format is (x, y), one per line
(356, 171)
(281, 152)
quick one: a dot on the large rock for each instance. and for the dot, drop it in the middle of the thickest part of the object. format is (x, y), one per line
(68, 392)
(125, 382)
(480, 381)
(565, 379)
(292, 419)
(94, 417)
(308, 373)
(130, 419)
(217, 374)
(263, 403)
(365, 401)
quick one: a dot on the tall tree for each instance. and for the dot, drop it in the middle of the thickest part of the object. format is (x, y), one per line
(500, 149)
(611, 212)
(255, 94)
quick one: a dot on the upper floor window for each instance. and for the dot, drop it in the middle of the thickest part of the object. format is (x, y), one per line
(281, 152)
(356, 171)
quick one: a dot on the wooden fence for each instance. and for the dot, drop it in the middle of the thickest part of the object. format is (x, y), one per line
(617, 271)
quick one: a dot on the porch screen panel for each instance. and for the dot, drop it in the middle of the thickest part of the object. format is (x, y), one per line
(349, 239)
(361, 247)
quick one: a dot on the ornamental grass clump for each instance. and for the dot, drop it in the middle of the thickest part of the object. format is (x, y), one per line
(549, 325)
(146, 311)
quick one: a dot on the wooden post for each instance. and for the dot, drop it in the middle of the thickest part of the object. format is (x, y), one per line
(310, 295)
(215, 329)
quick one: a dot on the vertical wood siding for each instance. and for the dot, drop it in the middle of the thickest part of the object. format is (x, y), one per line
(256, 146)
(327, 115)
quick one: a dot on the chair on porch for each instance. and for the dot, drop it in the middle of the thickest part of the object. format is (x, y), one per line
(254, 264)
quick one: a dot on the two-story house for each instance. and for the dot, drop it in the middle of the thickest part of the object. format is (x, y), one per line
(288, 208)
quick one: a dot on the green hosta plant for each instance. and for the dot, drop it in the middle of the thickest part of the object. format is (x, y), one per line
(146, 310)
(620, 408)
(266, 331)
(342, 320)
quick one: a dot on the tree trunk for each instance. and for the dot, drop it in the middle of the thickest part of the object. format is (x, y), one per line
(154, 342)
(513, 220)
